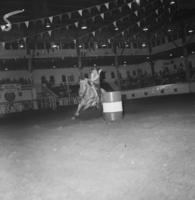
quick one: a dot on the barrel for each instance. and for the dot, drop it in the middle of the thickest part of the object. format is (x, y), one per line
(112, 106)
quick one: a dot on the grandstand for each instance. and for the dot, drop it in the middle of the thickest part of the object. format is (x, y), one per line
(138, 44)
(146, 50)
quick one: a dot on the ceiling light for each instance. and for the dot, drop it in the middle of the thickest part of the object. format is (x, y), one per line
(145, 29)
(172, 3)
(21, 46)
(83, 27)
(125, 63)
(54, 46)
(190, 31)
(170, 54)
(169, 30)
(48, 25)
(143, 44)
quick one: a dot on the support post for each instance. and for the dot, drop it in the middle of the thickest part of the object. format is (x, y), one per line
(79, 59)
(185, 52)
(150, 59)
(30, 59)
(117, 65)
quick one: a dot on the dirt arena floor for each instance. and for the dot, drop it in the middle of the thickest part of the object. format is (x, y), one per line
(149, 155)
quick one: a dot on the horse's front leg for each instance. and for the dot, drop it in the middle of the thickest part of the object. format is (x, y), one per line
(77, 111)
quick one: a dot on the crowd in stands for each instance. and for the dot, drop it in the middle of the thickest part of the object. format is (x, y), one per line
(163, 77)
(142, 79)
(21, 81)
(139, 80)
(64, 90)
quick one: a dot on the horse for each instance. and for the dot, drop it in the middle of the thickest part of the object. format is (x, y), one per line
(88, 97)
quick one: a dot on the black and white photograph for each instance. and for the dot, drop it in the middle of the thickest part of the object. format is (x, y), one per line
(97, 100)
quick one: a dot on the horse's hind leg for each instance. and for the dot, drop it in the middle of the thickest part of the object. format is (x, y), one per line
(87, 106)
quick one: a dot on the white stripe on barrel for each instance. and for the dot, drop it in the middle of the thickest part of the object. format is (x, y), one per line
(112, 106)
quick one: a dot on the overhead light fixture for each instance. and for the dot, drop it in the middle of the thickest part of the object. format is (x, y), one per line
(172, 2)
(116, 28)
(124, 63)
(103, 45)
(190, 31)
(21, 46)
(83, 27)
(143, 44)
(169, 30)
(145, 29)
(54, 46)
(170, 54)
(47, 25)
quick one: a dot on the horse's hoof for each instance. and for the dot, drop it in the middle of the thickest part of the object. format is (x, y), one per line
(73, 118)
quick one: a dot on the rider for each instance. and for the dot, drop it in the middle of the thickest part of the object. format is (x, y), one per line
(89, 99)
(94, 79)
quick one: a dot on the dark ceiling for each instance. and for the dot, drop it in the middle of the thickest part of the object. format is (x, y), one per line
(42, 8)
(152, 13)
